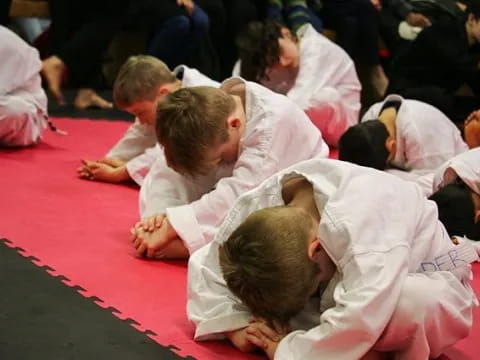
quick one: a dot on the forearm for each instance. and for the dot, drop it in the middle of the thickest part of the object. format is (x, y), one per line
(121, 174)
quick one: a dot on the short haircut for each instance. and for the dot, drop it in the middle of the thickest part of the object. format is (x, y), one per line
(365, 144)
(456, 210)
(265, 262)
(139, 79)
(258, 49)
(191, 121)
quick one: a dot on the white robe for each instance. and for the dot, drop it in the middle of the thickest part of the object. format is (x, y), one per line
(326, 87)
(277, 135)
(138, 145)
(23, 103)
(426, 138)
(385, 268)
(465, 166)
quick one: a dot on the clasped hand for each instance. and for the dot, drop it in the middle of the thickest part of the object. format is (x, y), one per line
(259, 334)
(108, 170)
(151, 235)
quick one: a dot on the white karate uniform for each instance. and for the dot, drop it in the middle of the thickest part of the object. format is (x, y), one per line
(277, 135)
(23, 103)
(138, 145)
(395, 290)
(326, 87)
(426, 138)
(465, 166)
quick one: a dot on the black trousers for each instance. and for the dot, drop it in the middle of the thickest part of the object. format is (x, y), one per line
(5, 11)
(80, 33)
(356, 25)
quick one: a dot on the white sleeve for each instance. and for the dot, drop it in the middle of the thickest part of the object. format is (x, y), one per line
(327, 112)
(196, 222)
(139, 166)
(210, 305)
(134, 142)
(163, 187)
(365, 300)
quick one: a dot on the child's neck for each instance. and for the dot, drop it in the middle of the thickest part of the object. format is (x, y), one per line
(298, 192)
(389, 118)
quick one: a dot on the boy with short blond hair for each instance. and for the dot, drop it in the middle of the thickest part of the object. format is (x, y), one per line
(304, 238)
(142, 81)
(175, 130)
(139, 78)
(228, 139)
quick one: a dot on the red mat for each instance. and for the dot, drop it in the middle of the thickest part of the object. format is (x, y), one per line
(80, 229)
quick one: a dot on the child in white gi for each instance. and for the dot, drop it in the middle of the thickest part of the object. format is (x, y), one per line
(404, 134)
(314, 72)
(218, 144)
(141, 83)
(390, 278)
(456, 190)
(23, 103)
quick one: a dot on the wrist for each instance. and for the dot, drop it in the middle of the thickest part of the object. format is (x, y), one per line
(121, 174)
(170, 230)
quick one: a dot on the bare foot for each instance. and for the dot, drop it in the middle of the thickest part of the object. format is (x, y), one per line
(88, 98)
(52, 69)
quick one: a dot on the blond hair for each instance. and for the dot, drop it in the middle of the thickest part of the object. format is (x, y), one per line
(191, 121)
(265, 262)
(139, 79)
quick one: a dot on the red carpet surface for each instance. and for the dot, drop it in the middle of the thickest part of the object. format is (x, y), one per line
(80, 229)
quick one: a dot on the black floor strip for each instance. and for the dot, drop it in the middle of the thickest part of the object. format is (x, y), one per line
(41, 318)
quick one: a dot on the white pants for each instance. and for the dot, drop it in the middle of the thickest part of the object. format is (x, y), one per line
(22, 114)
(433, 313)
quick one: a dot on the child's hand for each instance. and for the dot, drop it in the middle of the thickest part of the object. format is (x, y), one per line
(377, 4)
(472, 129)
(115, 163)
(239, 339)
(94, 170)
(189, 5)
(266, 337)
(150, 244)
(151, 223)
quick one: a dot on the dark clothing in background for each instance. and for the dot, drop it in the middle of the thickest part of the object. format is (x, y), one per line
(80, 33)
(356, 25)
(436, 65)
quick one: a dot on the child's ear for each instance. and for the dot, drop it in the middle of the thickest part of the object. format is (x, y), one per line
(476, 219)
(391, 145)
(162, 91)
(314, 249)
(233, 122)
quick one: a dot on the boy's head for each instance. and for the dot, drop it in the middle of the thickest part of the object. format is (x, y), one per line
(472, 130)
(266, 47)
(459, 210)
(140, 83)
(199, 128)
(367, 144)
(273, 262)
